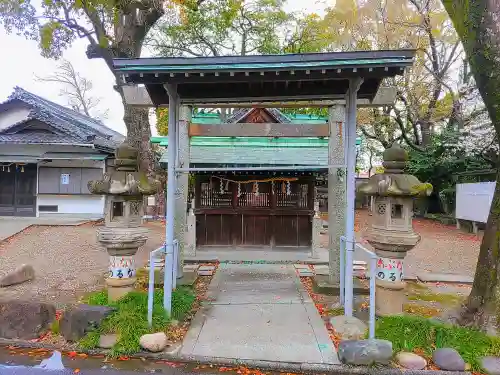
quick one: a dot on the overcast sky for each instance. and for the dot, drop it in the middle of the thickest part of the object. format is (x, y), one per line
(22, 63)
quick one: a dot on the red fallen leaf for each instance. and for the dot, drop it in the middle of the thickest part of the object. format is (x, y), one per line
(173, 364)
(123, 358)
(72, 354)
(224, 369)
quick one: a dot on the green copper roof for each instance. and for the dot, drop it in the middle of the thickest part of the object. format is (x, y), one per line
(254, 151)
(249, 142)
(199, 117)
(297, 65)
(252, 142)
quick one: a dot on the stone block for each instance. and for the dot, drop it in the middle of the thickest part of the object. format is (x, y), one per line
(25, 320)
(444, 278)
(80, 319)
(305, 272)
(191, 267)
(365, 352)
(21, 274)
(205, 273)
(107, 341)
(154, 342)
(206, 270)
(322, 285)
(348, 327)
(491, 365)
(411, 361)
(301, 266)
(448, 359)
(188, 278)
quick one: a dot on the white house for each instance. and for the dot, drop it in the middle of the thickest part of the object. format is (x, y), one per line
(48, 153)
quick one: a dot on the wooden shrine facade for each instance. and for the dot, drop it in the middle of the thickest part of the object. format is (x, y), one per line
(264, 210)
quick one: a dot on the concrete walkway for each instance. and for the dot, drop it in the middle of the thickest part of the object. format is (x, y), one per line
(10, 226)
(263, 254)
(259, 312)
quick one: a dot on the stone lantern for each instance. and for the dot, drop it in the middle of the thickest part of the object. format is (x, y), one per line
(122, 234)
(391, 233)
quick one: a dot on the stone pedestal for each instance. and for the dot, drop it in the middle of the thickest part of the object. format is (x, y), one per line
(122, 234)
(391, 233)
(190, 248)
(317, 226)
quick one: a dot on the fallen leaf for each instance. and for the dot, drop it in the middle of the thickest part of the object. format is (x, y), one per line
(77, 371)
(123, 358)
(83, 355)
(72, 354)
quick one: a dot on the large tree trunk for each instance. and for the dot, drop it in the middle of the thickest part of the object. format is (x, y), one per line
(483, 305)
(139, 135)
(478, 25)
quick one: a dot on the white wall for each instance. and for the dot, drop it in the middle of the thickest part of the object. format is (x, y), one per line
(473, 201)
(74, 205)
(13, 116)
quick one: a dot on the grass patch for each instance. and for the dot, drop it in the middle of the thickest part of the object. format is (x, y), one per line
(421, 311)
(410, 333)
(445, 299)
(337, 311)
(130, 322)
(90, 340)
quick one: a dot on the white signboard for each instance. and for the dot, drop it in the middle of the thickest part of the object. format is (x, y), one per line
(121, 267)
(389, 269)
(64, 178)
(473, 201)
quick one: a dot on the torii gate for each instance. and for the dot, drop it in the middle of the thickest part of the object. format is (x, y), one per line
(341, 81)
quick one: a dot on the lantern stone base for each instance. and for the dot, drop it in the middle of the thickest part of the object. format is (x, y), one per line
(322, 285)
(389, 298)
(117, 288)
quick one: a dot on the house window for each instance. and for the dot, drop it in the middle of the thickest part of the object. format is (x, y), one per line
(47, 208)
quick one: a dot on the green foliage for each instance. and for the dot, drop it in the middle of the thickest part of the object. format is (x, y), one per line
(235, 27)
(162, 121)
(89, 341)
(98, 298)
(182, 302)
(439, 163)
(410, 333)
(129, 321)
(55, 328)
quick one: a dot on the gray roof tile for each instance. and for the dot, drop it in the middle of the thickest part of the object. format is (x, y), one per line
(37, 138)
(80, 128)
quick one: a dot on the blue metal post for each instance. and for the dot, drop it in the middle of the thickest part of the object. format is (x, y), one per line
(342, 270)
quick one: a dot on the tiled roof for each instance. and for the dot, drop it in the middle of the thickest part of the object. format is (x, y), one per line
(37, 138)
(201, 117)
(78, 127)
(252, 151)
(239, 114)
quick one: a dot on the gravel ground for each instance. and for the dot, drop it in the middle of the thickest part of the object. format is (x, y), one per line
(442, 248)
(68, 261)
